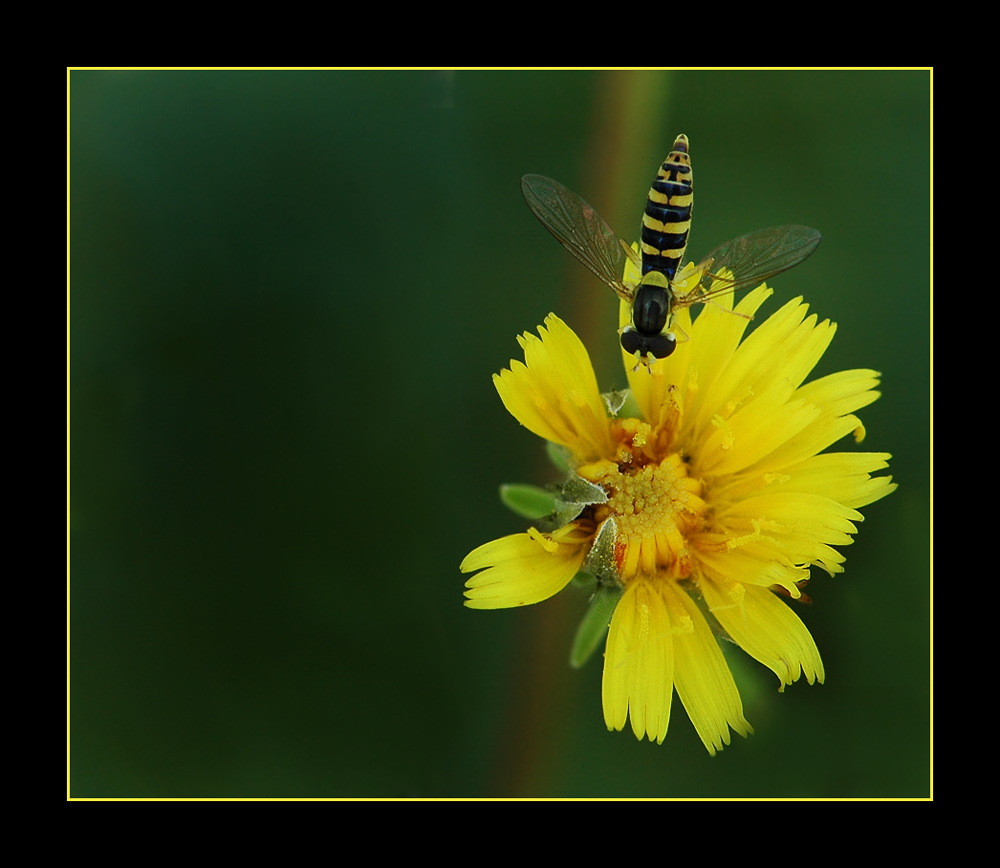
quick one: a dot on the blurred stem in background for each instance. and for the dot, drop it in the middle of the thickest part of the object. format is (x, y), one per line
(626, 123)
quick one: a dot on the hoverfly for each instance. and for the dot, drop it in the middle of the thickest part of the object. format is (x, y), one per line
(666, 222)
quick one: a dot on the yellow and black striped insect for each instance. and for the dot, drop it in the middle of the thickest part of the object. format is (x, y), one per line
(659, 292)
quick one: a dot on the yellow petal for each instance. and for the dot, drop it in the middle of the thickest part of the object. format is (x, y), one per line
(554, 392)
(766, 628)
(702, 677)
(520, 569)
(638, 664)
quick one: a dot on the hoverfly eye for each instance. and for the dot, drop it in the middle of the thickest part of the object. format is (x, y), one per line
(662, 345)
(632, 341)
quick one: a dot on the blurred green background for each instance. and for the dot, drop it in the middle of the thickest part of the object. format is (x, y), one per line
(289, 291)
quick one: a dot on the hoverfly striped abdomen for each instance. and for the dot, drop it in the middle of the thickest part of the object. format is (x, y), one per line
(667, 220)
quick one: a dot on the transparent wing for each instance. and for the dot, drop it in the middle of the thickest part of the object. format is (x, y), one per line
(753, 258)
(578, 228)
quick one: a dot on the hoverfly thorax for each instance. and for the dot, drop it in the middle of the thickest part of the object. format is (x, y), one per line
(652, 309)
(651, 306)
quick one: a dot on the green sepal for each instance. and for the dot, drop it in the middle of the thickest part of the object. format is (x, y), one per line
(560, 456)
(594, 626)
(621, 405)
(528, 501)
(630, 408)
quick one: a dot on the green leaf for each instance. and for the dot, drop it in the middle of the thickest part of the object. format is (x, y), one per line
(594, 626)
(528, 501)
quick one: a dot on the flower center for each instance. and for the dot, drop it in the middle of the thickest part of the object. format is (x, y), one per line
(655, 504)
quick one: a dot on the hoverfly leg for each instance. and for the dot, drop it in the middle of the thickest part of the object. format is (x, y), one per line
(634, 256)
(729, 310)
(643, 360)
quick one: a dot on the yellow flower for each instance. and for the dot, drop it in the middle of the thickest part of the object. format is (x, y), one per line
(712, 500)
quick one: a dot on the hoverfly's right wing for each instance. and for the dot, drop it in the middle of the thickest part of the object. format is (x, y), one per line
(578, 228)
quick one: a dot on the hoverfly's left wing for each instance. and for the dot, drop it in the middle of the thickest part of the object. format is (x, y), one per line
(755, 257)
(578, 227)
